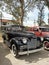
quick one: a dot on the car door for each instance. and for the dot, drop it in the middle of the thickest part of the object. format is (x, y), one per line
(37, 32)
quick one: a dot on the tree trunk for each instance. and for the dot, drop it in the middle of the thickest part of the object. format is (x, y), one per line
(22, 15)
(22, 11)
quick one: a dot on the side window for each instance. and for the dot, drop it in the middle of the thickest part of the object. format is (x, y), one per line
(42, 29)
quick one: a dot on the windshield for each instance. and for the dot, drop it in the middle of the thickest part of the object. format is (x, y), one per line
(18, 28)
(44, 29)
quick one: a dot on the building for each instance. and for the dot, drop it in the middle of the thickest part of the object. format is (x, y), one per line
(5, 22)
(9, 22)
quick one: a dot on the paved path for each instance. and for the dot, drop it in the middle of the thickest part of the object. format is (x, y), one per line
(39, 58)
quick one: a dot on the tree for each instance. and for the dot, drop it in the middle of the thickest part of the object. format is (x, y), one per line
(40, 6)
(18, 8)
(47, 2)
(1, 18)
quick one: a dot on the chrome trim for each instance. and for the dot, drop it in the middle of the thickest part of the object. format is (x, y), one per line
(47, 38)
(30, 51)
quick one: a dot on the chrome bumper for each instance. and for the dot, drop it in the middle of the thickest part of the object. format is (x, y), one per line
(30, 51)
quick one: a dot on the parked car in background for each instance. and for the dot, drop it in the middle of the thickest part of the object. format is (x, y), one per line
(43, 33)
(21, 41)
(37, 31)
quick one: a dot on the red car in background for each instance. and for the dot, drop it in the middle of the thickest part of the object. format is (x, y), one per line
(43, 34)
(36, 31)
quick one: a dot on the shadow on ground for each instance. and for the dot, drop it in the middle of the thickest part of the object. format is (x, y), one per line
(32, 58)
(35, 57)
(3, 52)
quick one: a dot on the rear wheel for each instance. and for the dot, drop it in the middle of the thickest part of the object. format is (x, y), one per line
(14, 50)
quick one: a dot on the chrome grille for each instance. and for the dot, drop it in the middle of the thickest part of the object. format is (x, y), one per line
(33, 43)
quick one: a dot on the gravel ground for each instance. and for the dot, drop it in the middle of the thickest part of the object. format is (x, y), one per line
(0, 36)
(39, 58)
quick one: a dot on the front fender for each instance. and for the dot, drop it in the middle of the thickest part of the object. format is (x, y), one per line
(15, 41)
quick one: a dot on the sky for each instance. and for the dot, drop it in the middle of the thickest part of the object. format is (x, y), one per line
(32, 16)
(6, 16)
(46, 15)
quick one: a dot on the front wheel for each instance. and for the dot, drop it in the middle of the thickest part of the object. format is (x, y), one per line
(46, 45)
(14, 50)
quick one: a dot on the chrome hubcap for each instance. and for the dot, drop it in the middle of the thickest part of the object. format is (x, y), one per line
(14, 50)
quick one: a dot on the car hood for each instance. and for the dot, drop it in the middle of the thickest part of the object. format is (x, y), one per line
(21, 34)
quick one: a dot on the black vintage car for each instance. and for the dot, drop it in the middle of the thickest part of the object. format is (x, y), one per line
(21, 41)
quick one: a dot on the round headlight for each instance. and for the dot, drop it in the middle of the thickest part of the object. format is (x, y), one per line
(24, 40)
(42, 38)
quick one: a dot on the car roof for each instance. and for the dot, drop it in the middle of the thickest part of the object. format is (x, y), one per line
(16, 25)
(12, 26)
